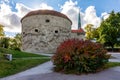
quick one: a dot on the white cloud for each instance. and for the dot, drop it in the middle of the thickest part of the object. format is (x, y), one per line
(6, 9)
(71, 10)
(43, 6)
(9, 19)
(22, 9)
(104, 15)
(91, 17)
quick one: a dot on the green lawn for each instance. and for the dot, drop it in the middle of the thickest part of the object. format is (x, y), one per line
(15, 66)
(18, 54)
(112, 64)
(18, 64)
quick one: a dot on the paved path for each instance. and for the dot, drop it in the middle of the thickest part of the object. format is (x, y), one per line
(44, 72)
(41, 69)
(34, 58)
(50, 55)
(109, 74)
(116, 55)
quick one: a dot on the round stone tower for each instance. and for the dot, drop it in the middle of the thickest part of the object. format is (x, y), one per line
(44, 30)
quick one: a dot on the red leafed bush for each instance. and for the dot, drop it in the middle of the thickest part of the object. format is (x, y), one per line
(80, 56)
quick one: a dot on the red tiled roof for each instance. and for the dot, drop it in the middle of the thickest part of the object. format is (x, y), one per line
(78, 31)
(46, 12)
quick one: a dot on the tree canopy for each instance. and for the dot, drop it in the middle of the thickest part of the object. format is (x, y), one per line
(109, 30)
(15, 43)
(89, 29)
(7, 42)
(91, 32)
(1, 30)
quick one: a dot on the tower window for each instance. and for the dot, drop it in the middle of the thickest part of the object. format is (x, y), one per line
(56, 31)
(47, 20)
(23, 32)
(36, 30)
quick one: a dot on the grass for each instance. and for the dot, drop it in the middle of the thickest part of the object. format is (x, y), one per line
(18, 64)
(19, 54)
(11, 67)
(112, 64)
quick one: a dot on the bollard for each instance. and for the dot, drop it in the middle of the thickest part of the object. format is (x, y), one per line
(9, 57)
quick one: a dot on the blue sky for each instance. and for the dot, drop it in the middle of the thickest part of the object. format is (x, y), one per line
(11, 11)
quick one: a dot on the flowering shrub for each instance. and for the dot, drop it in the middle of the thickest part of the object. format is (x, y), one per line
(80, 56)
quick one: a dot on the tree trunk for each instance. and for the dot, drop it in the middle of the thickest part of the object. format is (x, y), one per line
(112, 46)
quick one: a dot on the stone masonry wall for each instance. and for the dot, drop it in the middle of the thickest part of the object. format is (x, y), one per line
(77, 35)
(43, 33)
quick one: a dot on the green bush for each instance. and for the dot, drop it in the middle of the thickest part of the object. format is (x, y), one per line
(80, 56)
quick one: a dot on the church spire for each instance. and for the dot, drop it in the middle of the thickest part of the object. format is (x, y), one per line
(79, 21)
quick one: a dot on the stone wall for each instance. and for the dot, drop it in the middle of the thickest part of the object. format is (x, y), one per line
(43, 33)
(78, 35)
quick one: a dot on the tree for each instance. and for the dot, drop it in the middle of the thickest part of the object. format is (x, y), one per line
(89, 29)
(91, 32)
(4, 42)
(18, 41)
(109, 30)
(1, 30)
(15, 43)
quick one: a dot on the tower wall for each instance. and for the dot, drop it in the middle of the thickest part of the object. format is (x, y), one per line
(43, 33)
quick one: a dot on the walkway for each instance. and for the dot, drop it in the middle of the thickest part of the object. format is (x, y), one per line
(41, 69)
(116, 57)
(110, 74)
(44, 72)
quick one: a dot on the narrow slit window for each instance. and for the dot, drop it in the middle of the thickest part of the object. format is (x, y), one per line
(56, 31)
(36, 30)
(47, 20)
(23, 32)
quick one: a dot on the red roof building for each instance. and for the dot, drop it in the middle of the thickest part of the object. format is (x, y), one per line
(81, 31)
